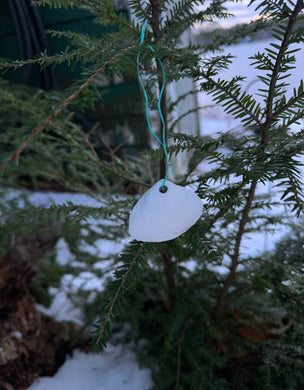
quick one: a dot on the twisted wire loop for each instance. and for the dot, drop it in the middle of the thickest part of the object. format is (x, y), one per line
(163, 141)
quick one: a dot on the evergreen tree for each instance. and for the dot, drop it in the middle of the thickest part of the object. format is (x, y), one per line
(241, 329)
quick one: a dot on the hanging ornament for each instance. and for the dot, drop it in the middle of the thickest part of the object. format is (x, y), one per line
(166, 210)
(161, 216)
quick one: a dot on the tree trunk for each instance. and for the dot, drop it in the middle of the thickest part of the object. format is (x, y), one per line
(30, 343)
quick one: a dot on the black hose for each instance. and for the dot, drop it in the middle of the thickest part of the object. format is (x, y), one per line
(34, 43)
(24, 28)
(31, 39)
(38, 26)
(17, 27)
(23, 37)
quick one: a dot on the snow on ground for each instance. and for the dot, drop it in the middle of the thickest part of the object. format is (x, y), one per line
(62, 309)
(47, 198)
(114, 369)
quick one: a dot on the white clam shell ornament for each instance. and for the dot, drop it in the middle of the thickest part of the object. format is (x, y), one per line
(162, 216)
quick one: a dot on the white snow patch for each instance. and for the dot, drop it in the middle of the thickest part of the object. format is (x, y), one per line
(84, 232)
(95, 223)
(102, 247)
(189, 265)
(113, 369)
(16, 335)
(87, 248)
(221, 269)
(10, 194)
(107, 247)
(103, 264)
(85, 281)
(46, 199)
(110, 222)
(62, 309)
(64, 256)
(78, 264)
(52, 291)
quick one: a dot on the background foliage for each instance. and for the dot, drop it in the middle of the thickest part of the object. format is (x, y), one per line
(205, 329)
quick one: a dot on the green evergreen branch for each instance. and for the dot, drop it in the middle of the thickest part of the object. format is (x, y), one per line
(277, 67)
(294, 298)
(73, 213)
(117, 293)
(225, 93)
(226, 207)
(292, 119)
(273, 9)
(295, 191)
(292, 102)
(45, 60)
(221, 249)
(172, 105)
(106, 12)
(143, 12)
(220, 303)
(201, 240)
(55, 3)
(168, 268)
(183, 15)
(25, 106)
(181, 117)
(186, 142)
(233, 35)
(106, 166)
(179, 9)
(64, 104)
(179, 347)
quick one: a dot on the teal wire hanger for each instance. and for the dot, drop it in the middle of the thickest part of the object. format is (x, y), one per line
(163, 141)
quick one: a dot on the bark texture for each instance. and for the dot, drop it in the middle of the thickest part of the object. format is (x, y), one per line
(31, 344)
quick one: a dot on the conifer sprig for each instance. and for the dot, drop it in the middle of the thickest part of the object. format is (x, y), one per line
(291, 110)
(63, 105)
(221, 301)
(276, 9)
(282, 49)
(111, 169)
(123, 276)
(229, 95)
(45, 60)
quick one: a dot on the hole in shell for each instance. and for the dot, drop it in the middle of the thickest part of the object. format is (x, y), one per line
(163, 189)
